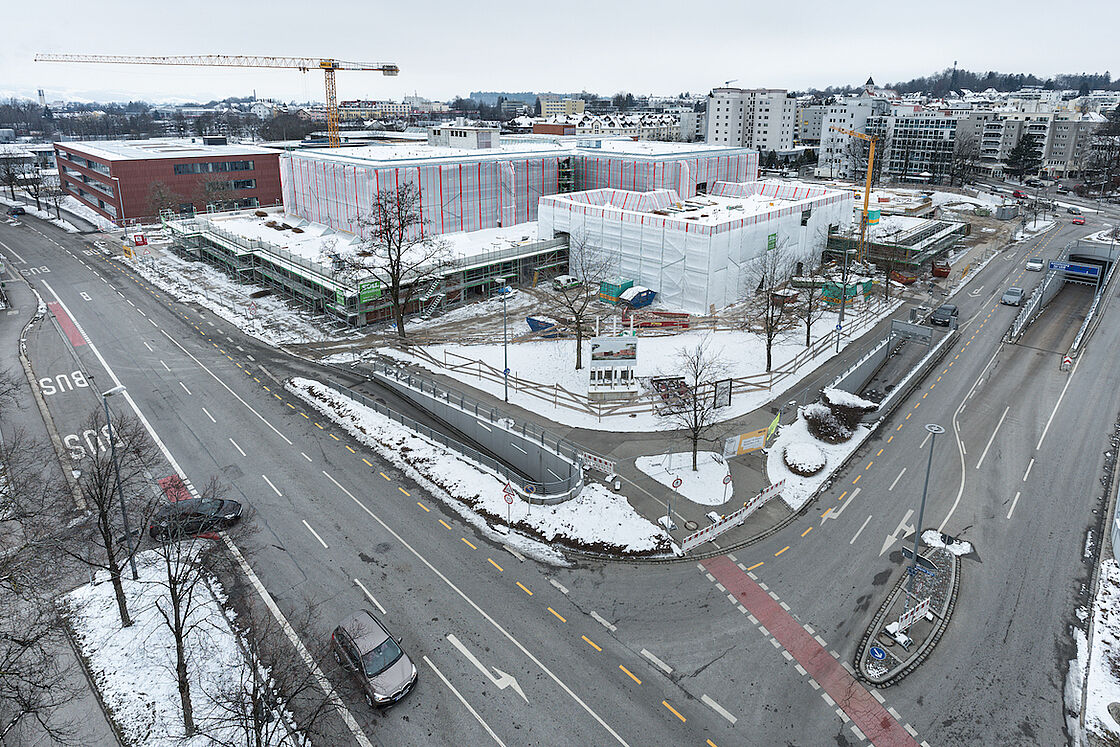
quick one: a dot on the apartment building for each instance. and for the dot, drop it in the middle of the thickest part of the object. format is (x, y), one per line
(554, 106)
(758, 118)
(810, 118)
(918, 144)
(849, 113)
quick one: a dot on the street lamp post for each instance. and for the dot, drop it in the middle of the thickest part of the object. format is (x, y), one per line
(117, 472)
(934, 431)
(505, 337)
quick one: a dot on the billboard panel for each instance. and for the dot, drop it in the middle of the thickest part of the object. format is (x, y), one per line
(610, 352)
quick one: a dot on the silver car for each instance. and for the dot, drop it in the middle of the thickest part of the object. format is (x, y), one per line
(366, 649)
(1013, 296)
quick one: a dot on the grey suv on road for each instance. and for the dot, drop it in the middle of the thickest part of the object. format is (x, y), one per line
(366, 649)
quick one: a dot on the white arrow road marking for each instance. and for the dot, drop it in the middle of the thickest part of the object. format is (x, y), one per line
(976, 292)
(845, 504)
(502, 681)
(903, 527)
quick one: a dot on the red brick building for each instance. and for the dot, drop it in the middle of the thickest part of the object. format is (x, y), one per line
(127, 180)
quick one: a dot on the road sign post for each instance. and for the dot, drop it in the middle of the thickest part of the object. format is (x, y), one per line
(508, 493)
(669, 508)
(726, 482)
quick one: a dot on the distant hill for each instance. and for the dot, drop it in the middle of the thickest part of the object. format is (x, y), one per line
(952, 79)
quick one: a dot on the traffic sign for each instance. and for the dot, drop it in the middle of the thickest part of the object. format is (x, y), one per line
(509, 498)
(677, 483)
(877, 653)
(1073, 268)
(506, 372)
(839, 327)
(508, 488)
(727, 479)
(924, 562)
(530, 488)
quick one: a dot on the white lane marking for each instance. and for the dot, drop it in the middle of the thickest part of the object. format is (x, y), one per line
(209, 415)
(558, 585)
(1014, 502)
(212, 374)
(240, 348)
(251, 358)
(1058, 403)
(464, 702)
(481, 612)
(242, 451)
(862, 527)
(321, 542)
(1028, 472)
(210, 323)
(165, 366)
(657, 662)
(153, 323)
(12, 251)
(130, 303)
(922, 445)
(149, 347)
(993, 438)
(305, 456)
(605, 623)
(834, 515)
(188, 391)
(502, 681)
(141, 312)
(718, 708)
(371, 597)
(272, 486)
(120, 294)
(320, 678)
(900, 474)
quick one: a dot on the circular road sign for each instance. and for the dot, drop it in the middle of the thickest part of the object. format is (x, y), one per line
(877, 653)
(530, 488)
(677, 483)
(727, 479)
(509, 498)
(839, 327)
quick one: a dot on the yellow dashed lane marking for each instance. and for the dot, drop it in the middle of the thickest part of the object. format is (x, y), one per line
(899, 427)
(908, 415)
(879, 453)
(289, 404)
(304, 414)
(351, 448)
(591, 643)
(499, 567)
(674, 710)
(336, 438)
(554, 612)
(404, 491)
(858, 476)
(890, 438)
(421, 505)
(842, 495)
(368, 462)
(779, 552)
(468, 543)
(319, 426)
(756, 565)
(868, 465)
(441, 521)
(385, 476)
(629, 674)
(806, 531)
(524, 588)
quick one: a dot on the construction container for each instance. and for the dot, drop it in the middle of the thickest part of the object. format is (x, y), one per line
(611, 288)
(636, 296)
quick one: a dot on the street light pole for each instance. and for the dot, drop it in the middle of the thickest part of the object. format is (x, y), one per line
(117, 472)
(934, 431)
(505, 338)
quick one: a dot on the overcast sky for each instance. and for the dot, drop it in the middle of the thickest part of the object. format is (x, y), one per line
(447, 48)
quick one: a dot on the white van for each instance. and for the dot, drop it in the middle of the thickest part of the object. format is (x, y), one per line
(564, 282)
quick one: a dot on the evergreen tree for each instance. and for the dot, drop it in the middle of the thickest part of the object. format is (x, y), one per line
(1025, 158)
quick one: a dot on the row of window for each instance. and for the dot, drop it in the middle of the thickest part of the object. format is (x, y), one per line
(81, 161)
(212, 167)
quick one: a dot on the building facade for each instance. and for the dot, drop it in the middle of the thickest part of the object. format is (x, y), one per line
(116, 178)
(554, 106)
(759, 118)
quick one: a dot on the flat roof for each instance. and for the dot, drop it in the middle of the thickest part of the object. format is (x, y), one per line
(146, 150)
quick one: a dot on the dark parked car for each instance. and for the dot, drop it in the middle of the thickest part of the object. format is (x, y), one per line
(365, 648)
(1063, 190)
(944, 315)
(17, 210)
(193, 516)
(1073, 210)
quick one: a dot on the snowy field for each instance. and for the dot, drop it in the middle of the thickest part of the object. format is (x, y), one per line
(134, 667)
(595, 520)
(799, 489)
(551, 362)
(1033, 228)
(704, 486)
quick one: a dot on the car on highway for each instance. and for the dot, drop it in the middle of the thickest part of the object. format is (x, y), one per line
(17, 210)
(1078, 221)
(1073, 210)
(365, 648)
(944, 315)
(193, 516)
(1035, 264)
(1019, 193)
(1013, 296)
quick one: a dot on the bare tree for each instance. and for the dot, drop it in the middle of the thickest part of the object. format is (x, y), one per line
(696, 405)
(54, 195)
(278, 700)
(858, 152)
(763, 276)
(12, 167)
(813, 306)
(99, 541)
(161, 197)
(32, 183)
(396, 252)
(966, 155)
(217, 192)
(590, 265)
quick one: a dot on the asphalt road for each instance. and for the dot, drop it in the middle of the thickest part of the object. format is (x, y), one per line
(322, 518)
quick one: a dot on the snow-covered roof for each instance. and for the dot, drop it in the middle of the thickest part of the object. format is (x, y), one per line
(142, 150)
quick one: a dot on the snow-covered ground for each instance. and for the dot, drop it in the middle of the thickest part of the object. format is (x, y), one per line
(134, 667)
(274, 322)
(595, 520)
(1103, 685)
(73, 205)
(551, 362)
(704, 486)
(799, 489)
(43, 214)
(1033, 228)
(932, 538)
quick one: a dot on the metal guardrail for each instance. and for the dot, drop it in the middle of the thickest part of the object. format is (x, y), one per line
(1091, 319)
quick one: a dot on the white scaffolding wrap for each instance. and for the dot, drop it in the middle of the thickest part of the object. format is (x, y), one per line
(693, 252)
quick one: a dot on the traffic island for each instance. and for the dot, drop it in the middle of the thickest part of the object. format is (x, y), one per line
(911, 621)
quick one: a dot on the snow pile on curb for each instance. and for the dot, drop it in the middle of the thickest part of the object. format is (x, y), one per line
(1103, 685)
(1033, 229)
(595, 520)
(704, 486)
(134, 667)
(799, 489)
(932, 538)
(847, 399)
(804, 457)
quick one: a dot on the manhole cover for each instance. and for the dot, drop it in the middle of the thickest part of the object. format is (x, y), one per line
(690, 525)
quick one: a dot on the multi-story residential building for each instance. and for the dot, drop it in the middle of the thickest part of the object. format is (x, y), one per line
(554, 106)
(348, 110)
(116, 177)
(850, 113)
(1069, 142)
(759, 118)
(809, 120)
(918, 144)
(671, 126)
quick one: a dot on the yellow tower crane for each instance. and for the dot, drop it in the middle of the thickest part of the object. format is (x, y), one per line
(303, 64)
(866, 187)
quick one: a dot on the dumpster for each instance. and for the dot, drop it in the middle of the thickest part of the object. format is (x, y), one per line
(611, 288)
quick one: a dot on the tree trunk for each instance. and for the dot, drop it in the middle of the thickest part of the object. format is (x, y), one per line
(118, 591)
(184, 685)
(695, 446)
(579, 344)
(38, 206)
(398, 314)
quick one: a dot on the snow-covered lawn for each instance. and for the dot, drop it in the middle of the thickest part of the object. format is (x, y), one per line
(1103, 686)
(551, 363)
(798, 489)
(595, 520)
(73, 205)
(134, 667)
(932, 538)
(704, 486)
(43, 214)
(1033, 228)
